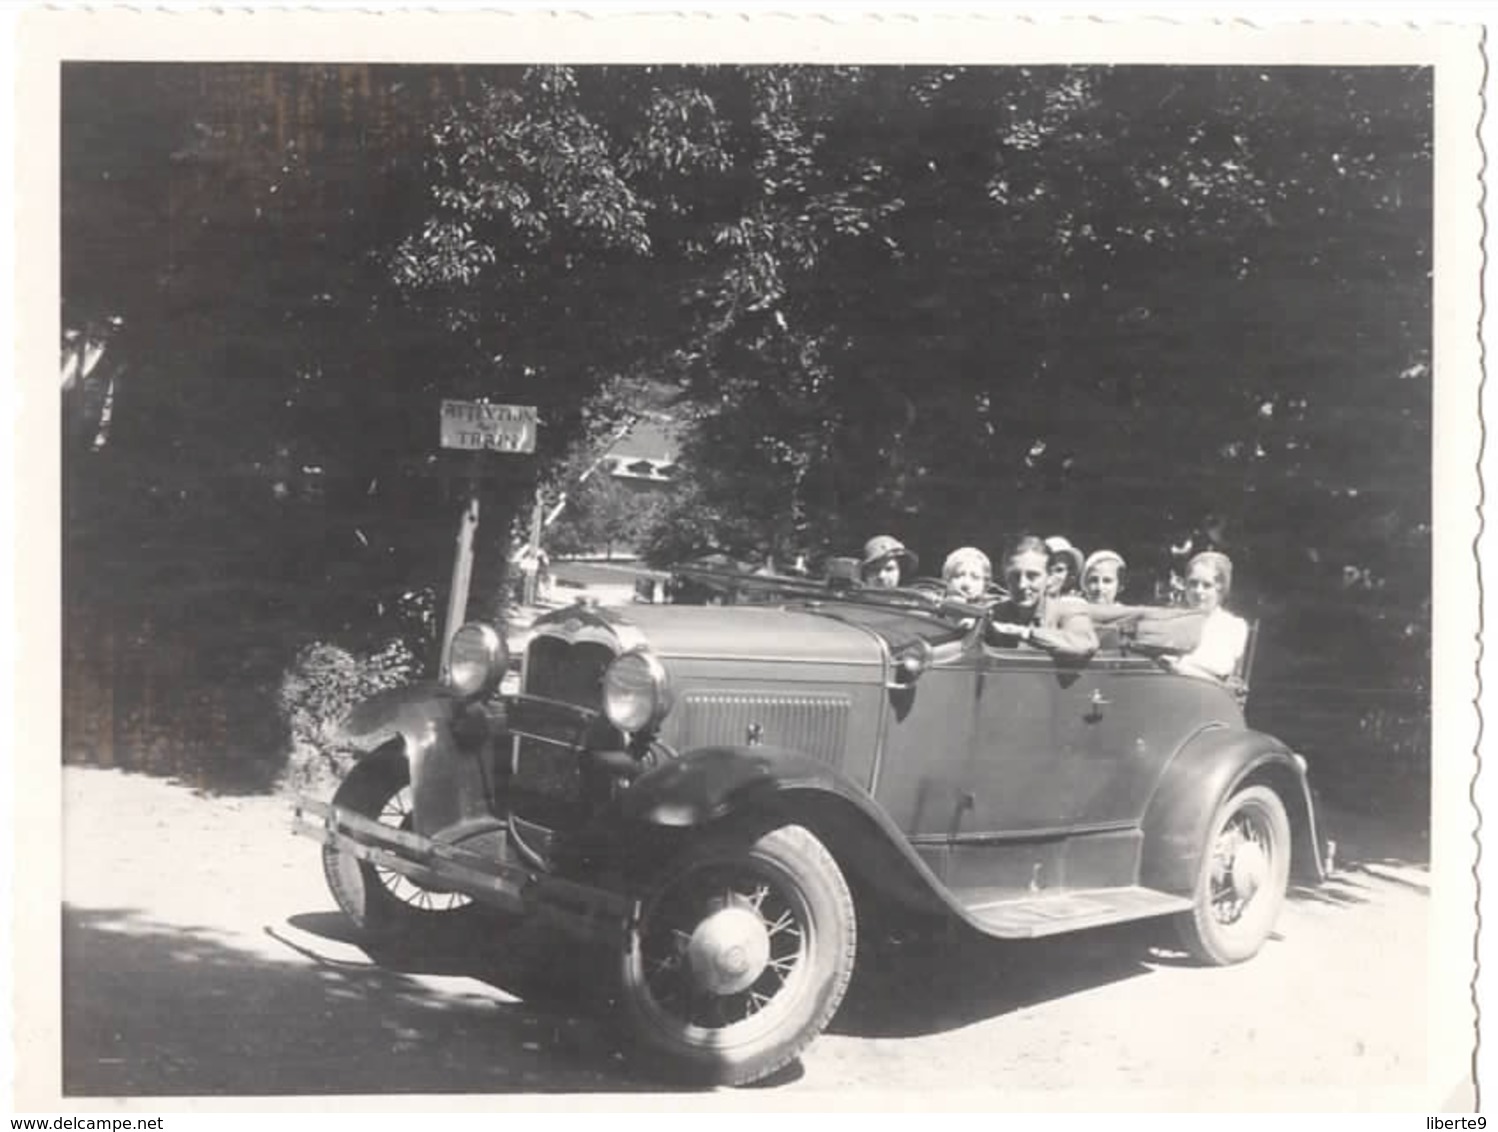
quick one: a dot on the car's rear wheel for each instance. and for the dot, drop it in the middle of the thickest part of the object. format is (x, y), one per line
(380, 901)
(741, 954)
(1244, 873)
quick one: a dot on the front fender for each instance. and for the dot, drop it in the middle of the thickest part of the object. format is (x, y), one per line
(1204, 773)
(413, 713)
(440, 734)
(714, 783)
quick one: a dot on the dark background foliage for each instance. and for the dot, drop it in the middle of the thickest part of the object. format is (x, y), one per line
(1138, 306)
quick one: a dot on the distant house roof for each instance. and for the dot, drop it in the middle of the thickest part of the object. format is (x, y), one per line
(650, 439)
(646, 452)
(641, 469)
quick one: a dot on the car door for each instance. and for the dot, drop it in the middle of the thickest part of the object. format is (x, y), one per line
(920, 778)
(1118, 725)
(1016, 785)
(1011, 793)
(968, 769)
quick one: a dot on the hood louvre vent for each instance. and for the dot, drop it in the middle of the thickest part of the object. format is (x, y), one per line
(814, 724)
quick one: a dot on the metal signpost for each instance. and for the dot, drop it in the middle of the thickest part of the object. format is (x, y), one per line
(478, 427)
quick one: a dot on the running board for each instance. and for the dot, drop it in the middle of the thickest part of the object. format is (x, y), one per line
(1028, 917)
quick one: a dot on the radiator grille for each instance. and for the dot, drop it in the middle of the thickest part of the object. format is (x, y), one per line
(816, 724)
(571, 673)
(547, 745)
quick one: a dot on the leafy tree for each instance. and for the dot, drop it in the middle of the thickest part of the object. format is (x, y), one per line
(603, 515)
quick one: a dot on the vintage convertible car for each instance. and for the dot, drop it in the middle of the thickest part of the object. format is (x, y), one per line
(723, 793)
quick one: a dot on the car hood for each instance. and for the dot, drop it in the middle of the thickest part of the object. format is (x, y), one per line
(726, 632)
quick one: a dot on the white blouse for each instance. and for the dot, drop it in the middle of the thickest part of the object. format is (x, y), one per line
(1223, 642)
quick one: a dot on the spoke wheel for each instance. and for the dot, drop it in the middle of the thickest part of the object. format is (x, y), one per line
(380, 900)
(396, 812)
(742, 953)
(1244, 873)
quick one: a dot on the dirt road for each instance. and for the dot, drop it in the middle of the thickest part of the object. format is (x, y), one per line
(202, 956)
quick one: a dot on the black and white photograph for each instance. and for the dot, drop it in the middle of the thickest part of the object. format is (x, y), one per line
(726, 562)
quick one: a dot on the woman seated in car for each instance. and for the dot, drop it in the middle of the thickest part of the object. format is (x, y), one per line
(1063, 567)
(1224, 637)
(1103, 577)
(967, 573)
(1059, 625)
(886, 563)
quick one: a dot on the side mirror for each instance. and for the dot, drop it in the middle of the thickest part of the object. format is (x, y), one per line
(909, 662)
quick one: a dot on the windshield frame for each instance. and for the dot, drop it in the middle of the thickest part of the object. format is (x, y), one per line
(945, 620)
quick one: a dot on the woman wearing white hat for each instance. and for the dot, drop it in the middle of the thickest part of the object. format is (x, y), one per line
(1063, 567)
(1103, 577)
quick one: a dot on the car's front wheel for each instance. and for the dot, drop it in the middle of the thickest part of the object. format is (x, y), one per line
(1244, 873)
(741, 954)
(381, 901)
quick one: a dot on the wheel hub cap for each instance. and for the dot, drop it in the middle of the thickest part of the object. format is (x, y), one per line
(728, 951)
(1250, 870)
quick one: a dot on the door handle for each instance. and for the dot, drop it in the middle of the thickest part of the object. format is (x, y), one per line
(1095, 705)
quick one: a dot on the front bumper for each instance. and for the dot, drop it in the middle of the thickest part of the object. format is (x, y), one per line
(499, 880)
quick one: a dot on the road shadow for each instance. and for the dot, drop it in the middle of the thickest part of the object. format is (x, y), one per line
(152, 1009)
(933, 979)
(548, 971)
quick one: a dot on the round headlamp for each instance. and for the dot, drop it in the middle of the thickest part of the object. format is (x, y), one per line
(476, 660)
(635, 694)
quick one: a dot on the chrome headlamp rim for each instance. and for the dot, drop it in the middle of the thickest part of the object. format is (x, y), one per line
(476, 659)
(660, 690)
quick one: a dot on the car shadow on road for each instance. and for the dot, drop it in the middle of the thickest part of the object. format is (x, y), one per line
(941, 980)
(152, 1009)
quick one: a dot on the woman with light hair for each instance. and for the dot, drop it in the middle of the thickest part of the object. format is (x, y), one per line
(1103, 577)
(1224, 637)
(967, 573)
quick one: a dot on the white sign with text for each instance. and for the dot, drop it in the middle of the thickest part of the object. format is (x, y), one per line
(478, 426)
